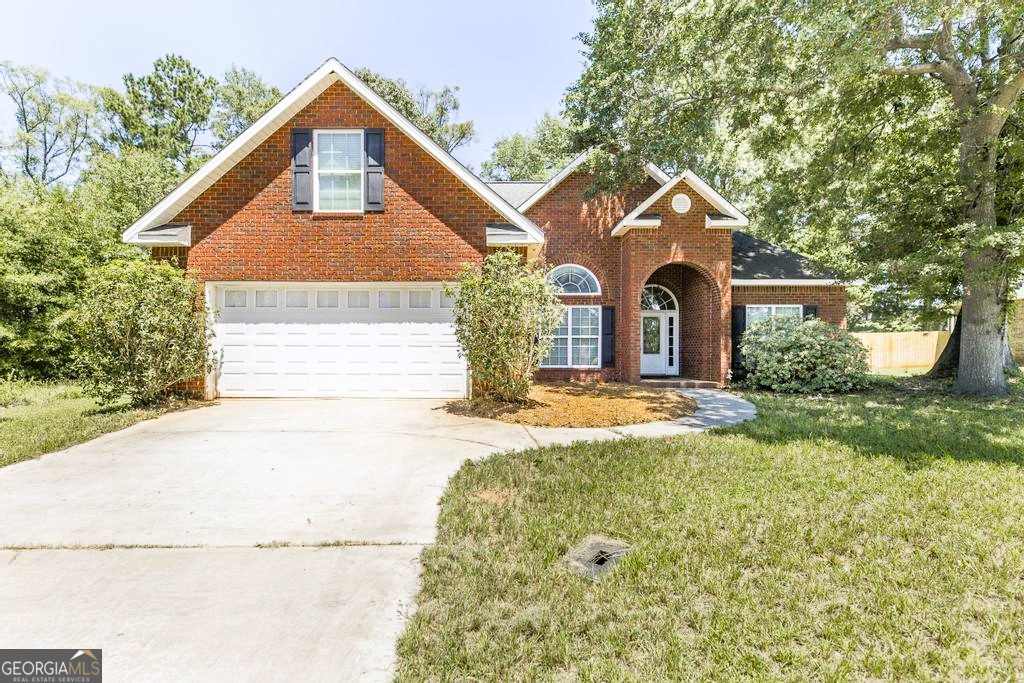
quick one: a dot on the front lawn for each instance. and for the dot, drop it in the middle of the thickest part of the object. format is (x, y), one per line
(871, 536)
(37, 418)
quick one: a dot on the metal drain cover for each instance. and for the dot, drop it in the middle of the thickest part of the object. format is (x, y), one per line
(595, 555)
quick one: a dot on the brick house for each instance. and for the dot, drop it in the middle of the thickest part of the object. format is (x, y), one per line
(323, 234)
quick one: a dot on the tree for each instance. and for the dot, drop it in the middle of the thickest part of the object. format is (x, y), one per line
(115, 190)
(504, 315)
(166, 111)
(54, 120)
(47, 247)
(432, 111)
(816, 90)
(242, 97)
(537, 155)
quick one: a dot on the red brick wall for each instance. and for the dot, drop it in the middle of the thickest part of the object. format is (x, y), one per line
(831, 301)
(243, 227)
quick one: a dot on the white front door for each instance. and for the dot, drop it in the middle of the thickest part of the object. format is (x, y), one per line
(658, 346)
(335, 339)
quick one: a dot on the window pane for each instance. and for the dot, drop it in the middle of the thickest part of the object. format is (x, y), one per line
(651, 342)
(339, 152)
(788, 311)
(341, 192)
(563, 327)
(447, 301)
(235, 298)
(756, 314)
(584, 351)
(359, 299)
(389, 298)
(266, 298)
(559, 353)
(419, 299)
(296, 298)
(585, 321)
(327, 299)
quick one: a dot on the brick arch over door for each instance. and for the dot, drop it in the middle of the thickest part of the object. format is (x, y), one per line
(700, 318)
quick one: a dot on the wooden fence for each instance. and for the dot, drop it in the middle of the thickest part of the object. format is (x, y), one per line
(892, 350)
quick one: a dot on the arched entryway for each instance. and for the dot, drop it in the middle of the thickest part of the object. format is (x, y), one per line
(681, 324)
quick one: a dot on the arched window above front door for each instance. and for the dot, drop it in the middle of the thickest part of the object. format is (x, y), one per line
(657, 298)
(572, 279)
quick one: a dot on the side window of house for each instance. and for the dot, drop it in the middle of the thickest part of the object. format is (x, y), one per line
(756, 314)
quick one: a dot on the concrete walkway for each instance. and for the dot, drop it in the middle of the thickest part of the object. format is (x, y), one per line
(253, 539)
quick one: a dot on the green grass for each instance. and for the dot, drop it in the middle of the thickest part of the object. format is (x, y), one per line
(871, 536)
(37, 418)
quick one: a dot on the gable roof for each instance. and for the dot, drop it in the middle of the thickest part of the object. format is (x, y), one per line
(515, 192)
(727, 216)
(330, 72)
(653, 171)
(755, 261)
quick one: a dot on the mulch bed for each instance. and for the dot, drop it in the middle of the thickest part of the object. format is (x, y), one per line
(583, 404)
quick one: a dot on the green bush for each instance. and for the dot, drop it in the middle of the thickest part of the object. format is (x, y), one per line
(504, 313)
(803, 356)
(140, 330)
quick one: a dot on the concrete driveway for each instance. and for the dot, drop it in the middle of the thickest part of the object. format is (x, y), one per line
(254, 539)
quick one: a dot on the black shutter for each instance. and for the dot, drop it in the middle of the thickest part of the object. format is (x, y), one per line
(739, 326)
(302, 169)
(810, 311)
(374, 157)
(607, 336)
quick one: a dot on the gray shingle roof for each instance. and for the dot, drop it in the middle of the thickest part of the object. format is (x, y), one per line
(756, 259)
(515, 192)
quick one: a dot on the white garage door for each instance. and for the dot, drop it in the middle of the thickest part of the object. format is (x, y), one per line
(326, 339)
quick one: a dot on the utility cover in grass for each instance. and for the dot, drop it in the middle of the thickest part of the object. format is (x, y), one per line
(595, 555)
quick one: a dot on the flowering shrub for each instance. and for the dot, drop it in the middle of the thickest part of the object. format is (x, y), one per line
(803, 356)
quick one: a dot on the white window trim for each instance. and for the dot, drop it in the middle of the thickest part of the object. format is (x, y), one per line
(773, 307)
(569, 337)
(361, 172)
(551, 276)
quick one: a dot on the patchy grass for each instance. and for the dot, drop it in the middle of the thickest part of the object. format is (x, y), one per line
(873, 536)
(38, 418)
(583, 404)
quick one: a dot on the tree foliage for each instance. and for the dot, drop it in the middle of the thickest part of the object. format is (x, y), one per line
(536, 155)
(140, 330)
(435, 112)
(242, 97)
(504, 314)
(869, 135)
(166, 111)
(54, 121)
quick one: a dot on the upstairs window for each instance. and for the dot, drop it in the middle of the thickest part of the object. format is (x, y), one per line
(573, 280)
(338, 166)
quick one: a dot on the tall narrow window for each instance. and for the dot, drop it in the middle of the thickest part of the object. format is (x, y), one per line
(338, 160)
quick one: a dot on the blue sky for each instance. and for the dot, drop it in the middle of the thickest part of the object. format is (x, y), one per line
(512, 60)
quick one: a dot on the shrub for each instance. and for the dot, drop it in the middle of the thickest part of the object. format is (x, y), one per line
(140, 330)
(803, 356)
(504, 315)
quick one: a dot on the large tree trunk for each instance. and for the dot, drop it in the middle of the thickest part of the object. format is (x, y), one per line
(983, 310)
(949, 359)
(1009, 362)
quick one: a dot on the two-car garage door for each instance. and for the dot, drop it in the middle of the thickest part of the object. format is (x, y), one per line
(327, 339)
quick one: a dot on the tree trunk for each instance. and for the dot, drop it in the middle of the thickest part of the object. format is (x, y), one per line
(949, 359)
(980, 371)
(1009, 362)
